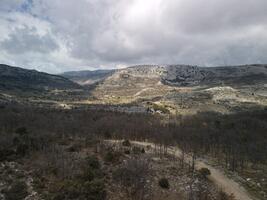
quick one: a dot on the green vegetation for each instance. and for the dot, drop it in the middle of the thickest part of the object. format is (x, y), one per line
(89, 184)
(126, 143)
(204, 172)
(17, 191)
(131, 176)
(68, 157)
(164, 183)
(112, 157)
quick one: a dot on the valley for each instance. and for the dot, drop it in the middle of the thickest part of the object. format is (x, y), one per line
(143, 132)
(213, 89)
(133, 100)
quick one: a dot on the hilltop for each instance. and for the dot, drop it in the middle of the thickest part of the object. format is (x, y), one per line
(15, 78)
(173, 89)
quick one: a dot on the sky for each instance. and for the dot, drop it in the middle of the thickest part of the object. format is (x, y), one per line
(62, 35)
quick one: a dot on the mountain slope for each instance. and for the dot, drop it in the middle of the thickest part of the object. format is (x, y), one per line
(175, 75)
(138, 79)
(181, 75)
(87, 77)
(15, 78)
(186, 89)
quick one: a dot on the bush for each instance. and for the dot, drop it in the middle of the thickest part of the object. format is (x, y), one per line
(74, 148)
(22, 149)
(112, 157)
(143, 150)
(95, 190)
(21, 131)
(204, 172)
(127, 152)
(91, 174)
(17, 191)
(224, 196)
(124, 176)
(93, 162)
(7, 154)
(92, 169)
(164, 183)
(126, 143)
(138, 150)
(88, 185)
(131, 176)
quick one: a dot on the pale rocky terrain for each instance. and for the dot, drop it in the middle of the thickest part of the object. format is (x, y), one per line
(186, 89)
(177, 89)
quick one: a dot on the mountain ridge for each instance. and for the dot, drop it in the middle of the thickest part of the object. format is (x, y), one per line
(177, 75)
(16, 78)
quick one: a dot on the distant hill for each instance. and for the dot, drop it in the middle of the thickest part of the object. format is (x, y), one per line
(15, 78)
(87, 77)
(174, 75)
(182, 75)
(186, 88)
(176, 88)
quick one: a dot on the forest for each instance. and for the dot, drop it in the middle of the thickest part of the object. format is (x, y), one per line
(236, 142)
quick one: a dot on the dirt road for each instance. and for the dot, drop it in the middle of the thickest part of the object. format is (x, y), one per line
(217, 176)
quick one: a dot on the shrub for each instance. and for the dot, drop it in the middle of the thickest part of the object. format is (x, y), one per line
(92, 169)
(89, 185)
(137, 150)
(112, 157)
(95, 190)
(143, 150)
(91, 174)
(204, 172)
(93, 162)
(126, 143)
(224, 196)
(164, 183)
(22, 149)
(127, 152)
(21, 131)
(131, 176)
(124, 176)
(7, 154)
(17, 191)
(74, 148)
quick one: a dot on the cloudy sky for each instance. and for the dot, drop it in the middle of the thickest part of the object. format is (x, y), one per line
(61, 35)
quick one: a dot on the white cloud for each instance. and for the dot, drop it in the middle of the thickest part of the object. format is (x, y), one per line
(54, 36)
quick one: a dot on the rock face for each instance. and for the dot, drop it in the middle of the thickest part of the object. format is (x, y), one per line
(14, 78)
(181, 75)
(176, 75)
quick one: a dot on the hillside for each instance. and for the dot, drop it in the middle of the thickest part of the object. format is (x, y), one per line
(181, 75)
(87, 77)
(175, 88)
(15, 78)
(186, 88)
(176, 75)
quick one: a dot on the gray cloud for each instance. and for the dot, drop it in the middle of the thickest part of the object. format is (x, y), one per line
(27, 40)
(9, 5)
(107, 33)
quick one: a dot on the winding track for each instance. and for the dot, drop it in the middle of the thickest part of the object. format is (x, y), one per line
(217, 176)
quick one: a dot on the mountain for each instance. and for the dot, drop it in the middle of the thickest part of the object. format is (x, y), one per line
(15, 78)
(87, 77)
(175, 75)
(174, 88)
(183, 89)
(151, 77)
(182, 75)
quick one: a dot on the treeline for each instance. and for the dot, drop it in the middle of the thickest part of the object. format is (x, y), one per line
(236, 140)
